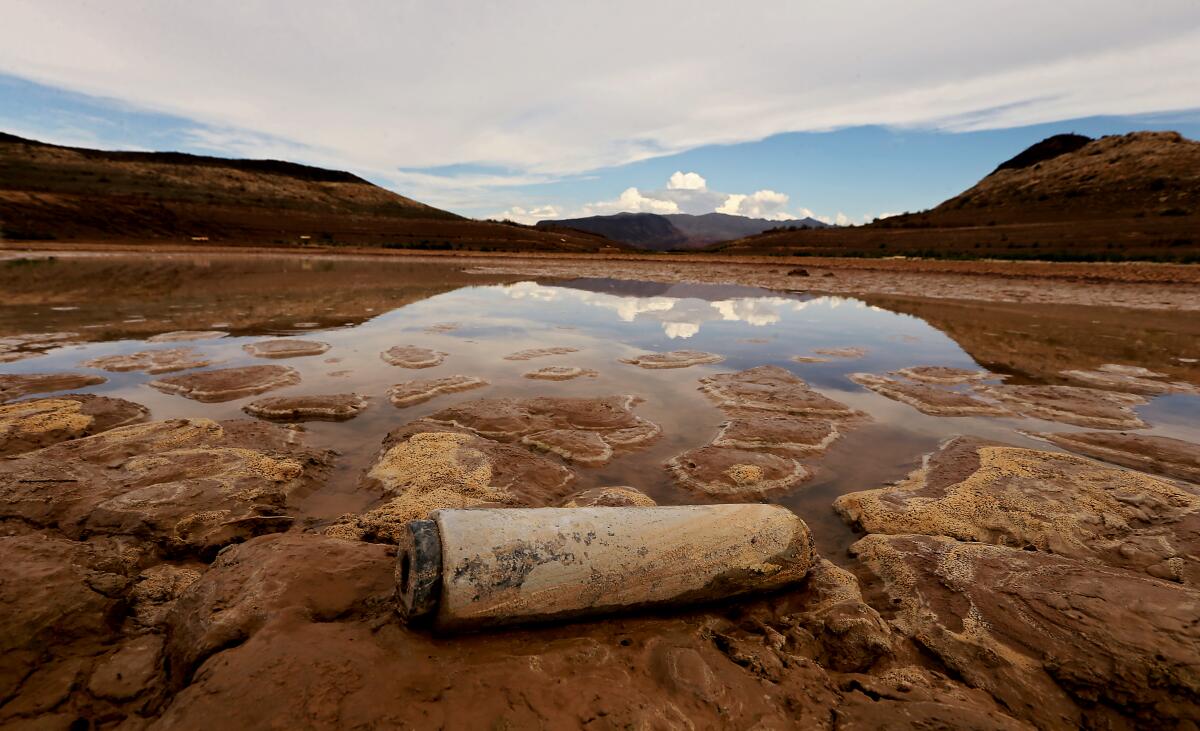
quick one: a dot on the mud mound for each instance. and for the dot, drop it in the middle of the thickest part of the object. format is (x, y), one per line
(284, 348)
(673, 359)
(29, 425)
(560, 373)
(618, 496)
(14, 386)
(187, 485)
(324, 407)
(850, 353)
(1160, 455)
(422, 469)
(228, 384)
(943, 375)
(184, 335)
(510, 418)
(1069, 645)
(574, 445)
(736, 474)
(32, 345)
(927, 399)
(751, 430)
(771, 388)
(1044, 501)
(151, 361)
(532, 353)
(412, 356)
(419, 391)
(1088, 407)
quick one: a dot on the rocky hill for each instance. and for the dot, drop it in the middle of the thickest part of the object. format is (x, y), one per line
(51, 192)
(665, 232)
(1133, 196)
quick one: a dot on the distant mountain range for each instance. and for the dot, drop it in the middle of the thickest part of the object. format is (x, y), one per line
(664, 232)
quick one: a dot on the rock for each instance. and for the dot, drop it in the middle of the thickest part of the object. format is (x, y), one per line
(422, 469)
(1160, 455)
(15, 385)
(227, 384)
(128, 672)
(309, 576)
(155, 591)
(532, 353)
(611, 417)
(797, 272)
(759, 430)
(440, 328)
(560, 373)
(1133, 379)
(916, 698)
(930, 400)
(673, 359)
(943, 375)
(1045, 501)
(620, 496)
(1060, 643)
(322, 407)
(32, 345)
(736, 474)
(184, 335)
(29, 425)
(851, 353)
(809, 359)
(1087, 407)
(186, 485)
(771, 388)
(412, 356)
(285, 348)
(151, 361)
(419, 391)
(574, 445)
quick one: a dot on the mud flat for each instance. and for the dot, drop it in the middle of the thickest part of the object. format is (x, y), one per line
(17, 385)
(166, 360)
(320, 407)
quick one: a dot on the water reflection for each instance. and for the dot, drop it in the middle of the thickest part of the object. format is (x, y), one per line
(361, 308)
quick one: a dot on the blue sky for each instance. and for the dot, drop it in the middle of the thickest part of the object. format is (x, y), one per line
(530, 109)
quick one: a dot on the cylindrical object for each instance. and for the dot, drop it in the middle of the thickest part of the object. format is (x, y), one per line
(488, 567)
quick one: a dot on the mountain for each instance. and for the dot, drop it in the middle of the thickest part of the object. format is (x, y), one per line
(52, 192)
(1132, 196)
(664, 232)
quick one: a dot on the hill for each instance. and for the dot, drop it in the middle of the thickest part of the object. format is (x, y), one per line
(665, 232)
(52, 192)
(1134, 196)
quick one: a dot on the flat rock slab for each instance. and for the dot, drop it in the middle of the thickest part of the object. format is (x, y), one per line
(177, 336)
(532, 353)
(850, 353)
(166, 360)
(736, 474)
(316, 407)
(285, 348)
(29, 425)
(943, 375)
(1089, 407)
(1061, 643)
(560, 373)
(932, 400)
(673, 359)
(419, 391)
(985, 492)
(759, 430)
(423, 468)
(771, 388)
(32, 345)
(184, 485)
(412, 356)
(227, 384)
(16, 385)
(1133, 379)
(1160, 455)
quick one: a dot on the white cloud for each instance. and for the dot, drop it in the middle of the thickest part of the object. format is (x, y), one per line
(529, 215)
(759, 204)
(631, 200)
(368, 87)
(686, 181)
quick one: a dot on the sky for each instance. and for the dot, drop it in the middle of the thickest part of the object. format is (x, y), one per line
(526, 110)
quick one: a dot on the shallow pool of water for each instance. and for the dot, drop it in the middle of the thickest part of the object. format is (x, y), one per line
(363, 307)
